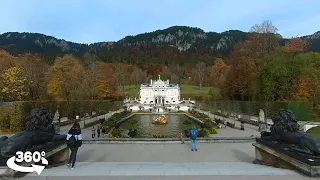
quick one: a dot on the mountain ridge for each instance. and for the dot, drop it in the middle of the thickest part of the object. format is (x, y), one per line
(184, 40)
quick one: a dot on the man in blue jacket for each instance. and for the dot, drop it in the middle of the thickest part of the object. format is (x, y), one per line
(193, 133)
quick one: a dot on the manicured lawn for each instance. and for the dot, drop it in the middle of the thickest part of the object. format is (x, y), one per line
(130, 91)
(185, 90)
(315, 131)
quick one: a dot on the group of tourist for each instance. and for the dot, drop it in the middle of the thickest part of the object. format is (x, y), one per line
(99, 130)
(74, 140)
(193, 135)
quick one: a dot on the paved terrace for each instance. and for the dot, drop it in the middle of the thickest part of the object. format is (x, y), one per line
(166, 161)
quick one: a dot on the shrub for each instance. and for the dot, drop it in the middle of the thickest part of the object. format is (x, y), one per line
(204, 133)
(212, 130)
(132, 121)
(186, 122)
(115, 133)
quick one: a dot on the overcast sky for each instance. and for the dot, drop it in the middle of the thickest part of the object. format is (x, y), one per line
(89, 21)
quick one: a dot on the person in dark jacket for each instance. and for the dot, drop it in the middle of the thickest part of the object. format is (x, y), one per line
(98, 131)
(74, 135)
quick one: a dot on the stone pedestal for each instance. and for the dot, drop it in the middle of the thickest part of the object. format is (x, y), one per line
(58, 155)
(55, 157)
(271, 157)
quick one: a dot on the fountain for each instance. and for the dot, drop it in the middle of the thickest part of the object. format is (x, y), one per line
(159, 120)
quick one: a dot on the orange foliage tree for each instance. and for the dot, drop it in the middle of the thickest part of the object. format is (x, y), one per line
(296, 45)
(106, 87)
(301, 89)
(218, 73)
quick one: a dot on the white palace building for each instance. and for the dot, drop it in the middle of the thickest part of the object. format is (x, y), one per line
(159, 96)
(159, 93)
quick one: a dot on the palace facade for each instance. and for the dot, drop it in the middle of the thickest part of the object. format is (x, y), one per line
(159, 93)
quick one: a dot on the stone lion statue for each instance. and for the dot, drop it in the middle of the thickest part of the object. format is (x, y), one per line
(285, 131)
(38, 131)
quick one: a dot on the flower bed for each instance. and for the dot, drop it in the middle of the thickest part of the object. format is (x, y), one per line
(208, 127)
(111, 126)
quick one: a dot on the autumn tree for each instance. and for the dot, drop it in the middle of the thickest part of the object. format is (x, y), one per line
(245, 59)
(6, 60)
(13, 85)
(301, 89)
(122, 75)
(174, 78)
(138, 76)
(276, 75)
(308, 83)
(34, 69)
(106, 87)
(166, 72)
(296, 45)
(178, 70)
(264, 38)
(89, 81)
(66, 78)
(199, 74)
(218, 73)
(241, 79)
(89, 60)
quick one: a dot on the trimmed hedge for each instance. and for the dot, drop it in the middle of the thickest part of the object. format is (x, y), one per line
(300, 109)
(5, 118)
(70, 109)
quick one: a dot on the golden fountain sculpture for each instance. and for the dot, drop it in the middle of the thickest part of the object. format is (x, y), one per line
(160, 120)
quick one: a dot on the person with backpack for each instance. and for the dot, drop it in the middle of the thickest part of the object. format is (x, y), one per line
(74, 141)
(193, 138)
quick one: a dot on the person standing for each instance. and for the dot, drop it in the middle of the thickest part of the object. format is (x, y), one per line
(103, 131)
(93, 132)
(193, 138)
(225, 124)
(74, 141)
(98, 131)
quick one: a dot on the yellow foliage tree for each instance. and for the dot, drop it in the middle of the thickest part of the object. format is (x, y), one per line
(13, 85)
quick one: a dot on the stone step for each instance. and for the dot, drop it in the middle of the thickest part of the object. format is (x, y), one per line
(90, 169)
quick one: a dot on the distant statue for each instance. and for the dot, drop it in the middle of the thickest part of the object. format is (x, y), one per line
(261, 115)
(56, 116)
(285, 132)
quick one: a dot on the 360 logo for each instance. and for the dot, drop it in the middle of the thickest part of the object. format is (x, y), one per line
(28, 157)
